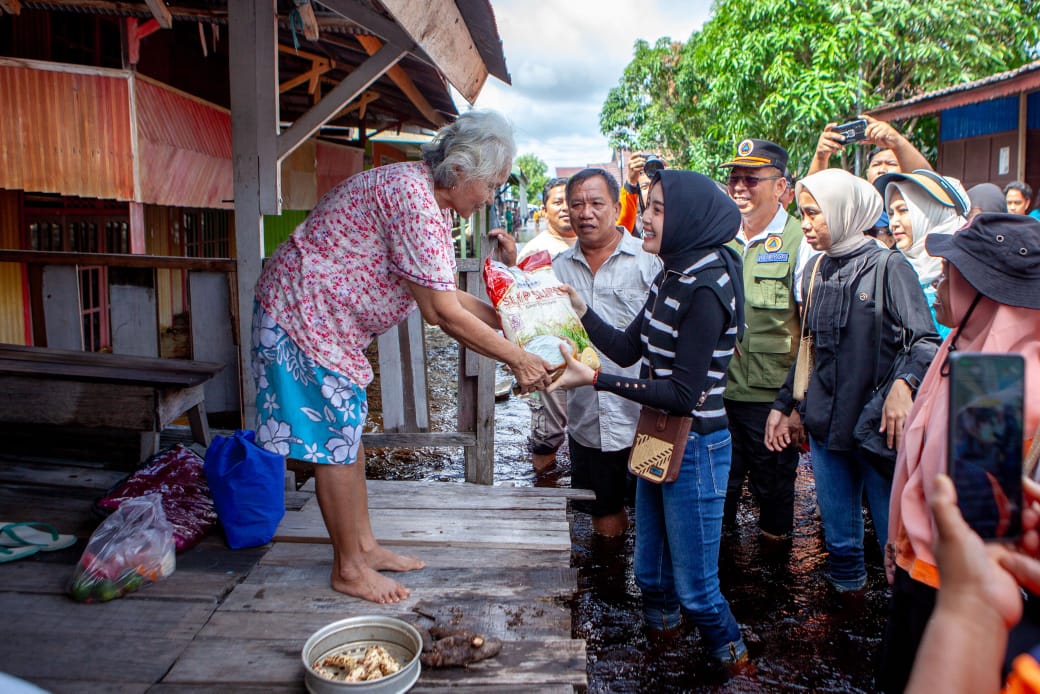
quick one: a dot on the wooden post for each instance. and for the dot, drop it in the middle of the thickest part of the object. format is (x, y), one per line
(1023, 123)
(253, 75)
(402, 377)
(477, 380)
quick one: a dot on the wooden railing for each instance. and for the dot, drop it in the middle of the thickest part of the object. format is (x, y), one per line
(212, 309)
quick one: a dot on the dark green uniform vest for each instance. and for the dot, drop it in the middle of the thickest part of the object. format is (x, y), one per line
(770, 342)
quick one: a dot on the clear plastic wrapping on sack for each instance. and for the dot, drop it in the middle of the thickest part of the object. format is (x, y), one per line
(176, 473)
(131, 548)
(535, 314)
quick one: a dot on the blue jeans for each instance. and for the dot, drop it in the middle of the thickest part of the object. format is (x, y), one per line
(678, 529)
(841, 479)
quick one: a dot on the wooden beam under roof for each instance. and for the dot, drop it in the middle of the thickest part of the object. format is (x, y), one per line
(360, 104)
(346, 91)
(371, 45)
(160, 12)
(362, 15)
(319, 66)
(439, 27)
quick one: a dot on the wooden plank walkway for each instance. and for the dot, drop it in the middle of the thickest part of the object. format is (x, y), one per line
(498, 561)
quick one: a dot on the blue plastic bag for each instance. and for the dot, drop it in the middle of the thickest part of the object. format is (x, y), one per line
(248, 487)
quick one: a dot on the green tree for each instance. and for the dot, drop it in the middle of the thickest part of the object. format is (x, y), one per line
(781, 69)
(535, 170)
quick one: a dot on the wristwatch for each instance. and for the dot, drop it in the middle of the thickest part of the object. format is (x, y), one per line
(911, 380)
(631, 188)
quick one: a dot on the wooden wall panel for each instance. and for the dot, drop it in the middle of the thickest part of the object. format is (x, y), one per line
(383, 154)
(951, 158)
(162, 237)
(975, 160)
(299, 178)
(12, 275)
(336, 163)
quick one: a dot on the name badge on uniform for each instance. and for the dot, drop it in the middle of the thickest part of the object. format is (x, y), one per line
(772, 257)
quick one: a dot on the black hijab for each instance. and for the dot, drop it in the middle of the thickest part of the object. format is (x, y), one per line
(699, 217)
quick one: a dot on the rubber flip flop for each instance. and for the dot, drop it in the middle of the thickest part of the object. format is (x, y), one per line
(14, 553)
(41, 535)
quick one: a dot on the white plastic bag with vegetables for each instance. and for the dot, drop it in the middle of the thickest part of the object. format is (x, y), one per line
(535, 314)
(129, 550)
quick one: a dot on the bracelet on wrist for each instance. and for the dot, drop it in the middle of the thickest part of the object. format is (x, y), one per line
(595, 377)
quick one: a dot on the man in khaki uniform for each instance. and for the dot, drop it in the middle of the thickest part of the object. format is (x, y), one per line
(771, 244)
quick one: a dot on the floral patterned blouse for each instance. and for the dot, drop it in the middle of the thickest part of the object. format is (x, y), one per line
(339, 280)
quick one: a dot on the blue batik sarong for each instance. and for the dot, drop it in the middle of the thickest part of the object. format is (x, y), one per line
(303, 411)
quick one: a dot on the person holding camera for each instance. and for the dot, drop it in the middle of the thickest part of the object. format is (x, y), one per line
(774, 256)
(989, 293)
(894, 152)
(641, 168)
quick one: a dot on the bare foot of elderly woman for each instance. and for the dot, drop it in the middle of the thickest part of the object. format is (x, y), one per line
(382, 559)
(368, 584)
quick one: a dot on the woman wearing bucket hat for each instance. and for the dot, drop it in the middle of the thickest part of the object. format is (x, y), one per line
(921, 203)
(989, 292)
(852, 347)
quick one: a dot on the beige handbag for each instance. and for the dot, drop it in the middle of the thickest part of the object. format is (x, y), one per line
(803, 364)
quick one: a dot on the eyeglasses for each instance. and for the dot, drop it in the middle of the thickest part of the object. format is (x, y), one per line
(750, 181)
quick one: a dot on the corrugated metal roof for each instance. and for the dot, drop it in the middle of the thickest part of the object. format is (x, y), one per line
(393, 108)
(66, 131)
(1021, 79)
(184, 148)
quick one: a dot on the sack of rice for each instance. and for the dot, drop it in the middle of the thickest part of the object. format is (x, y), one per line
(535, 314)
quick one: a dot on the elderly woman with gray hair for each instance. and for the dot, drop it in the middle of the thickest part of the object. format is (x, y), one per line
(853, 345)
(377, 246)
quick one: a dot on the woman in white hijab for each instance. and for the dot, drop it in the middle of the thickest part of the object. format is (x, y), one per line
(851, 357)
(918, 204)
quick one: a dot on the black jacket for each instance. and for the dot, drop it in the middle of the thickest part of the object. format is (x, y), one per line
(840, 319)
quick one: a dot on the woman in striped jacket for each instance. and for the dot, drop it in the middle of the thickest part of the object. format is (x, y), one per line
(684, 337)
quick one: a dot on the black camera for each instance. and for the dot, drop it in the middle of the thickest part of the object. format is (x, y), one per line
(853, 131)
(652, 164)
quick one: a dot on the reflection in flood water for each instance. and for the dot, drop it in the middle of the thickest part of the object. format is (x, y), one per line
(801, 636)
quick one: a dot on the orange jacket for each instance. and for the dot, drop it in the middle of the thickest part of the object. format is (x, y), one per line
(629, 210)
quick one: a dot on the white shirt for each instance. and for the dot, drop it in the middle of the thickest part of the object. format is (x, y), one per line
(617, 293)
(546, 241)
(776, 227)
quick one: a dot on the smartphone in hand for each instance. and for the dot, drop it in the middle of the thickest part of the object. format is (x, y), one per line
(853, 131)
(987, 396)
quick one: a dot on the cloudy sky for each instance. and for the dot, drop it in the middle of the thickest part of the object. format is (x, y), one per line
(564, 56)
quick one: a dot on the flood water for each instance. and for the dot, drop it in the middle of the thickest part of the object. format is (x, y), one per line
(801, 637)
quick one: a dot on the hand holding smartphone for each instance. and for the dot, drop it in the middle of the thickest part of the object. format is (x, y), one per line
(853, 131)
(987, 397)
